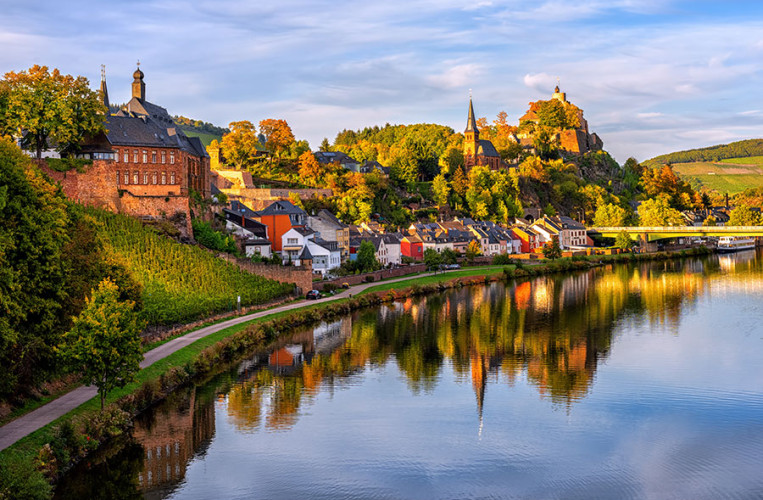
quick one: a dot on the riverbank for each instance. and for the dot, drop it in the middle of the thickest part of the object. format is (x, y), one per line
(27, 466)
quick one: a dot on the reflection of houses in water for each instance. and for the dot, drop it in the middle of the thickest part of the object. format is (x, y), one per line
(170, 439)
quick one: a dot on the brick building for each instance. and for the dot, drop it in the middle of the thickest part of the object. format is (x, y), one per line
(144, 165)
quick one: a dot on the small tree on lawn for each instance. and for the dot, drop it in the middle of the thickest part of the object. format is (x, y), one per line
(432, 259)
(367, 257)
(473, 251)
(552, 250)
(449, 256)
(104, 343)
(624, 240)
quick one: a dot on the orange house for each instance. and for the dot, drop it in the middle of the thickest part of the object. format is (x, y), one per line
(280, 217)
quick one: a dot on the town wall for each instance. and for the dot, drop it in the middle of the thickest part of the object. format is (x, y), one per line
(261, 198)
(302, 276)
(96, 185)
(383, 274)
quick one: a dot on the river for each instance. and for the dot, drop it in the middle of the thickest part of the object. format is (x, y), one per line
(625, 381)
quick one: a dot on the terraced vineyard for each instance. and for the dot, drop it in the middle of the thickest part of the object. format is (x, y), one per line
(731, 176)
(180, 282)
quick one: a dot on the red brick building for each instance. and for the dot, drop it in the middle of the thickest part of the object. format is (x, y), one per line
(144, 165)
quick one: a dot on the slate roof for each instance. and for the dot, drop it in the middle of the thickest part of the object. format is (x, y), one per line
(303, 231)
(238, 207)
(281, 207)
(334, 156)
(305, 255)
(487, 149)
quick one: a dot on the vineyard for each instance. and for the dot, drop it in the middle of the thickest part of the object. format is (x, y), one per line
(180, 282)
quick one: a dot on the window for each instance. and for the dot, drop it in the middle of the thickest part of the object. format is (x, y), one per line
(145, 177)
(118, 179)
(135, 179)
(153, 156)
(164, 177)
(126, 156)
(172, 157)
(153, 177)
(164, 157)
(127, 177)
(116, 155)
(145, 156)
(135, 156)
(291, 241)
(172, 177)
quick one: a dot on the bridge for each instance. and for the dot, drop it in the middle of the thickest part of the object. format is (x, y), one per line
(654, 233)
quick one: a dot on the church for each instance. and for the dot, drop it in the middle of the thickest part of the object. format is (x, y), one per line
(476, 151)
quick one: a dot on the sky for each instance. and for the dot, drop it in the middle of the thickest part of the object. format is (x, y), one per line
(651, 76)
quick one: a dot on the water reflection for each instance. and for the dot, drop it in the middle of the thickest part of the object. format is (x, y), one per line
(550, 334)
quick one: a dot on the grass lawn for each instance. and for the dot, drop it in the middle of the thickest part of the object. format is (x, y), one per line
(438, 278)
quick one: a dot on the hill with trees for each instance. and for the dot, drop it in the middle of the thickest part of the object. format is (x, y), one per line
(739, 149)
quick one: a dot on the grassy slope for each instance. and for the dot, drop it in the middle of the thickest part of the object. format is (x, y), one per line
(750, 160)
(205, 138)
(729, 176)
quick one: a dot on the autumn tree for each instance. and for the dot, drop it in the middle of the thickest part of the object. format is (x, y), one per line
(459, 182)
(310, 170)
(610, 215)
(473, 250)
(657, 212)
(278, 135)
(239, 146)
(440, 190)
(104, 342)
(743, 215)
(624, 240)
(50, 109)
(552, 250)
(325, 145)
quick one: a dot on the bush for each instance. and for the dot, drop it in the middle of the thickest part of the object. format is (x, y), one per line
(502, 260)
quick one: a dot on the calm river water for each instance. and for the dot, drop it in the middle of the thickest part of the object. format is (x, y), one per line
(641, 381)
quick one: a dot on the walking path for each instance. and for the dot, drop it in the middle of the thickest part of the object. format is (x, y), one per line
(42, 416)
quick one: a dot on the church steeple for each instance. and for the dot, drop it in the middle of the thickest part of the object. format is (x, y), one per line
(104, 90)
(471, 136)
(138, 86)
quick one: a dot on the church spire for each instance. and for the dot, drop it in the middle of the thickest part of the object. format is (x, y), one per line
(471, 123)
(104, 90)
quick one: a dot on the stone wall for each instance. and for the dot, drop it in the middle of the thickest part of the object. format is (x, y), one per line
(384, 274)
(258, 199)
(302, 276)
(97, 186)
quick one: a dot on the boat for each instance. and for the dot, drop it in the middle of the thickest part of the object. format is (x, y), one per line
(728, 244)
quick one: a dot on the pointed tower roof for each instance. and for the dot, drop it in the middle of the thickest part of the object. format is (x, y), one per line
(104, 90)
(471, 123)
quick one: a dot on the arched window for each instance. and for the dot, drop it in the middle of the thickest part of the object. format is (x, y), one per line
(135, 177)
(153, 178)
(172, 177)
(153, 156)
(145, 177)
(164, 157)
(127, 177)
(135, 156)
(145, 156)
(172, 157)
(164, 178)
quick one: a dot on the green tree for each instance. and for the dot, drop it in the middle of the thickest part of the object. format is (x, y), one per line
(623, 240)
(743, 215)
(104, 342)
(610, 215)
(50, 109)
(325, 145)
(709, 221)
(432, 259)
(449, 256)
(552, 250)
(239, 146)
(657, 212)
(366, 261)
(441, 190)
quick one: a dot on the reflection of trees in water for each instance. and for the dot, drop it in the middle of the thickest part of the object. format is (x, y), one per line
(553, 329)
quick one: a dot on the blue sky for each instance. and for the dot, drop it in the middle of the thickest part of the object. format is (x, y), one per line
(652, 76)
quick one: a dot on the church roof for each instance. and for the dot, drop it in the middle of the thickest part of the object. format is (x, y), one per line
(487, 149)
(471, 123)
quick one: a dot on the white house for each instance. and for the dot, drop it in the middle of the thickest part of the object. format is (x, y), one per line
(299, 244)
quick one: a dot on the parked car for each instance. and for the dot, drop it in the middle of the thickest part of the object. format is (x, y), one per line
(313, 295)
(450, 266)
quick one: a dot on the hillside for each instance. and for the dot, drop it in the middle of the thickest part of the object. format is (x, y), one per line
(180, 282)
(739, 149)
(205, 131)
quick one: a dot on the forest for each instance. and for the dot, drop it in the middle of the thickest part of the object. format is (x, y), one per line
(739, 149)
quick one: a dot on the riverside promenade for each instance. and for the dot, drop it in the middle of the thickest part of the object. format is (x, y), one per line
(42, 416)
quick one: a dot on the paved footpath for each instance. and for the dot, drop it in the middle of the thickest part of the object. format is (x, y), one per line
(42, 416)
